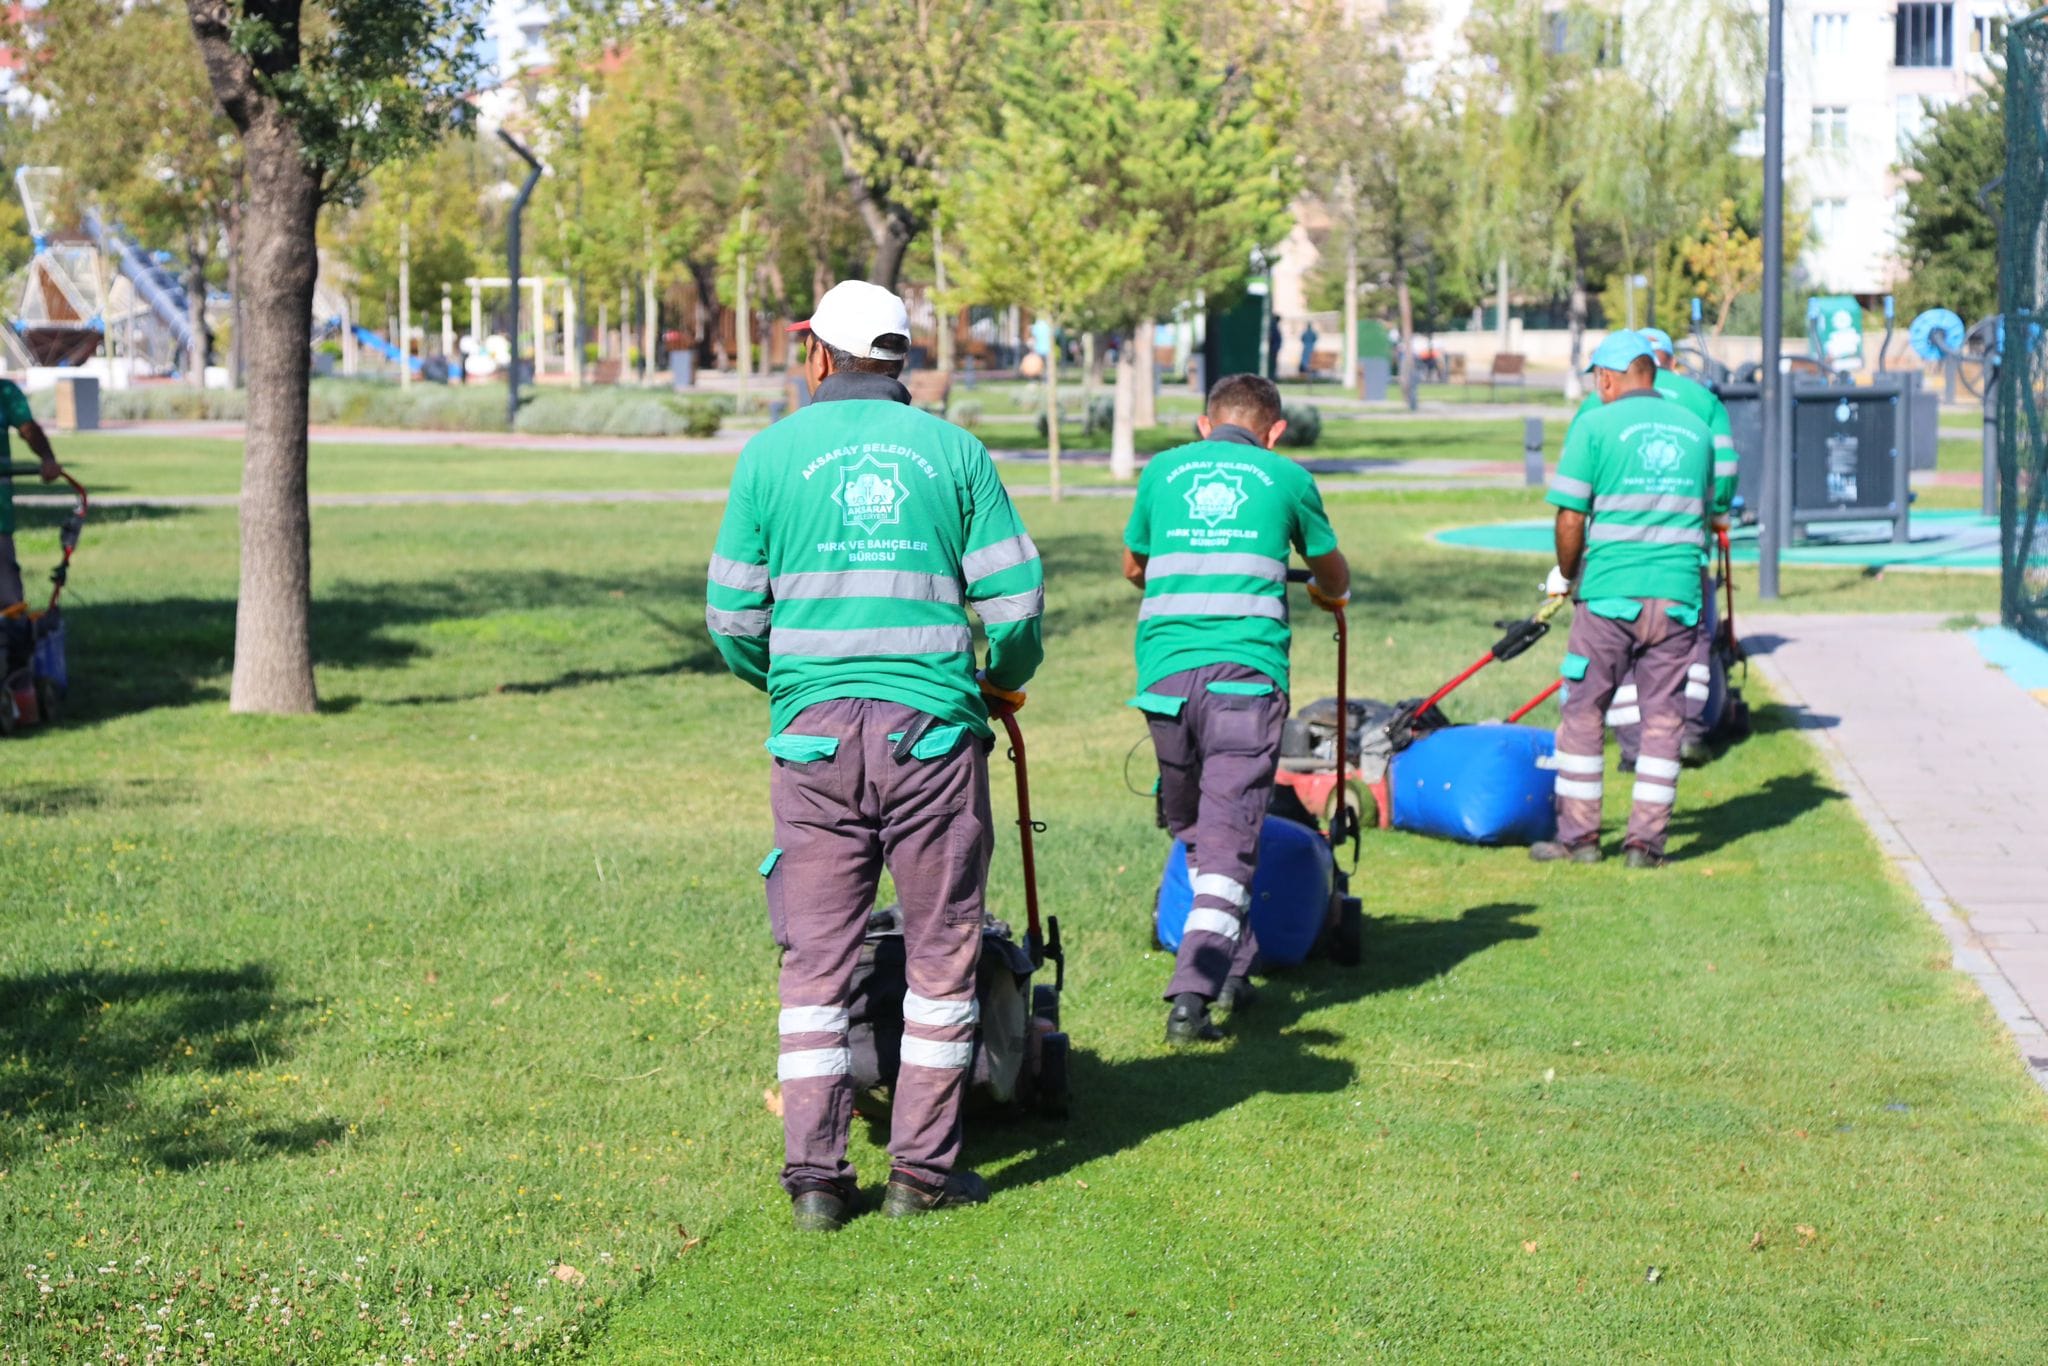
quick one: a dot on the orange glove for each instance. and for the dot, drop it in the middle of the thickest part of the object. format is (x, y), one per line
(1323, 600)
(999, 699)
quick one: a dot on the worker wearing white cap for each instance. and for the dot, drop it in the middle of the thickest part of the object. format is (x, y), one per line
(857, 533)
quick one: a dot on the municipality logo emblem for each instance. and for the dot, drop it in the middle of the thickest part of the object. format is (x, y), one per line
(1216, 498)
(870, 495)
(1661, 455)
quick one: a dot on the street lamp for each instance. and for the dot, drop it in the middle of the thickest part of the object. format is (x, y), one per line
(1771, 516)
(512, 261)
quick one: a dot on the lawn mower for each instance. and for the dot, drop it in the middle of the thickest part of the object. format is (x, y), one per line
(1382, 735)
(33, 695)
(1301, 901)
(1020, 1053)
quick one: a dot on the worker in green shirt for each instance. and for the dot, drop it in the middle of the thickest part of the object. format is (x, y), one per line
(17, 636)
(1633, 490)
(1208, 543)
(858, 532)
(1625, 715)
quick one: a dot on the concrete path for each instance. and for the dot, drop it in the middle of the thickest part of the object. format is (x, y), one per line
(1946, 758)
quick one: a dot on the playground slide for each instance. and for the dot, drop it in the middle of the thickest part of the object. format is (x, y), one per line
(383, 346)
(153, 284)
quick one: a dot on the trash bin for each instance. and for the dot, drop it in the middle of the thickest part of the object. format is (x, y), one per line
(682, 367)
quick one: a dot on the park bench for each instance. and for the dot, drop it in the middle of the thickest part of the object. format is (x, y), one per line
(1508, 367)
(929, 389)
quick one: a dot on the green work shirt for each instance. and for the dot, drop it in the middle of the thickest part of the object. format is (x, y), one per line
(857, 533)
(1642, 469)
(1215, 520)
(1697, 399)
(13, 413)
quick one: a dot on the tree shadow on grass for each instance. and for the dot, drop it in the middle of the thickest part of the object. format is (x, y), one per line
(88, 1050)
(139, 655)
(1119, 1105)
(37, 797)
(1699, 831)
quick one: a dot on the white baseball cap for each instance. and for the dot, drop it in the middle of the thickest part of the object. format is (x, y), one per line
(853, 314)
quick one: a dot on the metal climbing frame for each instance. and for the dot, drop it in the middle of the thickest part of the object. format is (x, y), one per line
(2023, 299)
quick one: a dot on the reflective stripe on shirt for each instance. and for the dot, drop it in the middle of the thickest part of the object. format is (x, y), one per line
(1642, 502)
(994, 559)
(1651, 535)
(751, 622)
(1011, 607)
(1222, 562)
(1570, 487)
(868, 583)
(1213, 605)
(744, 578)
(870, 640)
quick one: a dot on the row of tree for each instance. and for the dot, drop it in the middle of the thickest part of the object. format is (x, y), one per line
(1104, 163)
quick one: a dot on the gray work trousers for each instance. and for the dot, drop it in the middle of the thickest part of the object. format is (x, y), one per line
(16, 635)
(1625, 714)
(1216, 765)
(838, 821)
(1658, 651)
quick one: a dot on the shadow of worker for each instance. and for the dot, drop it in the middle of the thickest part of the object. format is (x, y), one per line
(1118, 1105)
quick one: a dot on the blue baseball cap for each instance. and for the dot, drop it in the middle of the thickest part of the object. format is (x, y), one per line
(1619, 351)
(1659, 340)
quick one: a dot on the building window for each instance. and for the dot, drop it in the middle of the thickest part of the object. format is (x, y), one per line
(1987, 36)
(1575, 33)
(1830, 128)
(1830, 35)
(1925, 35)
(1830, 216)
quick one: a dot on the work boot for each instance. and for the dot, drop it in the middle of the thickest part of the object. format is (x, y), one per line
(1643, 858)
(1695, 752)
(1550, 851)
(1189, 1022)
(1238, 994)
(821, 1209)
(909, 1195)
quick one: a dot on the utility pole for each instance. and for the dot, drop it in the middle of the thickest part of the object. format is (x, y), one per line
(512, 262)
(448, 356)
(1776, 457)
(742, 332)
(1501, 342)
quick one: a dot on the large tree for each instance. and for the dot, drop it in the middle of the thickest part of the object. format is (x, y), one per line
(319, 95)
(1949, 236)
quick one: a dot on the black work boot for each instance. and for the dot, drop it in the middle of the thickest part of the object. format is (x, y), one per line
(1238, 995)
(909, 1195)
(1643, 858)
(821, 1209)
(1189, 1022)
(1550, 851)
(1694, 753)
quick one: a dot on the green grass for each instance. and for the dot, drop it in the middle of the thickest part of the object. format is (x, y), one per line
(380, 1015)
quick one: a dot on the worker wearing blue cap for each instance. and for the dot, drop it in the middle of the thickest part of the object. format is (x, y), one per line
(1625, 716)
(1634, 491)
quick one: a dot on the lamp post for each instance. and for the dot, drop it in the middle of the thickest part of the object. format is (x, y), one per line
(512, 261)
(1776, 456)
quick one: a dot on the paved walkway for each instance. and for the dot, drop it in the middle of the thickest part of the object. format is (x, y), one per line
(1946, 758)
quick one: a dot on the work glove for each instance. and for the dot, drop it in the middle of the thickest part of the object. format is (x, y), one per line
(1556, 585)
(999, 699)
(1323, 600)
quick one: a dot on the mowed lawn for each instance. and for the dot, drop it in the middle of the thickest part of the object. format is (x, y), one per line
(438, 1025)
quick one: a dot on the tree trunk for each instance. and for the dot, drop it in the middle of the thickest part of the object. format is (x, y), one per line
(1145, 402)
(711, 351)
(1404, 301)
(1052, 416)
(1091, 369)
(1350, 347)
(237, 349)
(1574, 388)
(891, 243)
(942, 318)
(1123, 443)
(273, 619)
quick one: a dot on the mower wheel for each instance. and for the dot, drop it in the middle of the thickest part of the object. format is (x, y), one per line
(1045, 1003)
(1347, 942)
(1052, 1076)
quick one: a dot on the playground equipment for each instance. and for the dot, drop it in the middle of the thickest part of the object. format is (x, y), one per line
(91, 292)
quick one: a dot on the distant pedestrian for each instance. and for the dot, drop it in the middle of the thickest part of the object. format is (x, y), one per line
(858, 531)
(1633, 492)
(1309, 337)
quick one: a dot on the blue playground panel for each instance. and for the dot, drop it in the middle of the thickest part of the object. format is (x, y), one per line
(2024, 662)
(1941, 540)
